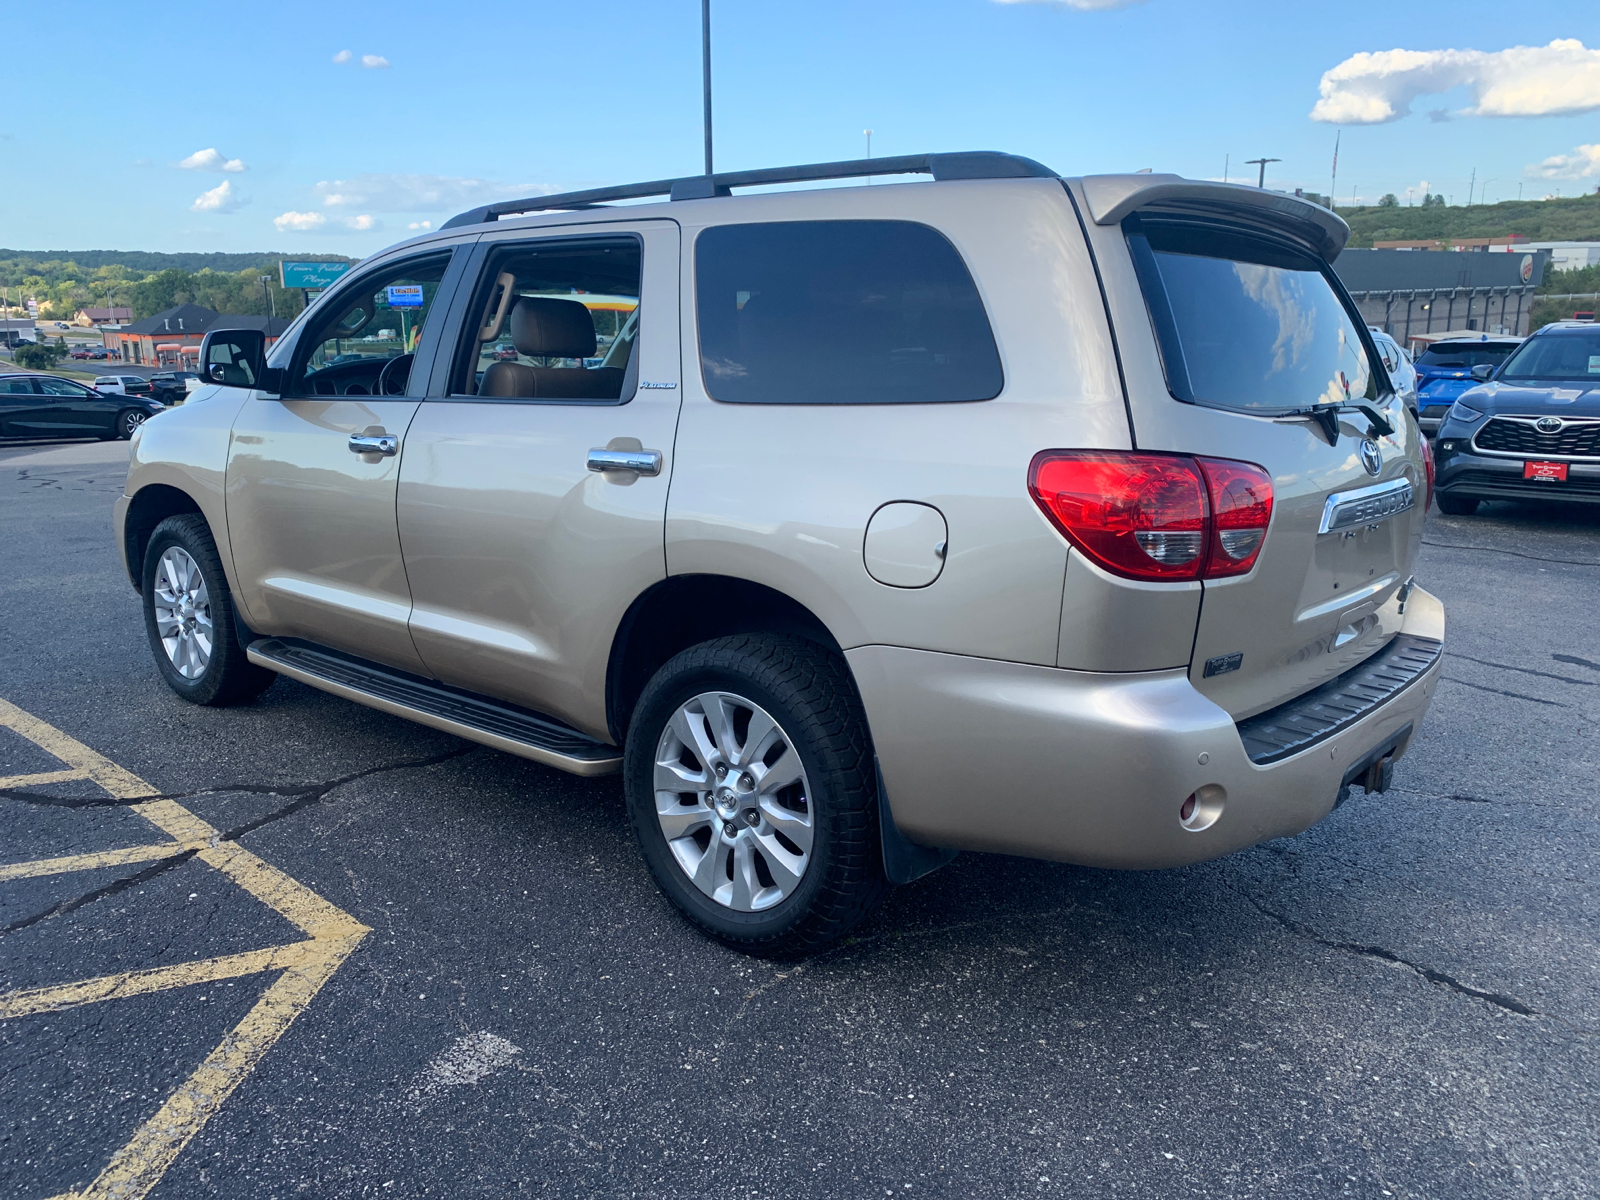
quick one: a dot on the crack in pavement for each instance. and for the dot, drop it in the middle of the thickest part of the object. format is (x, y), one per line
(1576, 661)
(306, 795)
(1524, 670)
(1502, 692)
(1569, 562)
(1498, 999)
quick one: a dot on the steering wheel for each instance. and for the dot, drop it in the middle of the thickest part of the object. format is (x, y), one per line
(385, 386)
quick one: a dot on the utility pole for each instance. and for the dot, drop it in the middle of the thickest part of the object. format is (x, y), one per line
(1261, 180)
(1471, 183)
(1333, 183)
(705, 71)
(1225, 168)
(272, 309)
(868, 134)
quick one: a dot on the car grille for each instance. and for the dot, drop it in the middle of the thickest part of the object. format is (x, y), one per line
(1575, 439)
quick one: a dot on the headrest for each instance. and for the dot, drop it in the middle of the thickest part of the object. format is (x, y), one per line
(544, 327)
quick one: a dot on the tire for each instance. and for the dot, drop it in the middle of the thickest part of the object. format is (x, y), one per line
(186, 597)
(128, 422)
(1456, 506)
(770, 893)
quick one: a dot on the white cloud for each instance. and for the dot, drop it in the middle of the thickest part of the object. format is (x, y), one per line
(375, 62)
(1524, 81)
(364, 222)
(343, 56)
(210, 159)
(1582, 163)
(220, 199)
(299, 222)
(420, 225)
(418, 193)
(1080, 5)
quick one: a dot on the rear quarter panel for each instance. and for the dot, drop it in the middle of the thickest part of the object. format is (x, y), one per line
(781, 494)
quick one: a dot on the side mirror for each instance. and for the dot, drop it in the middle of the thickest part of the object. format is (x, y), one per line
(1482, 371)
(234, 357)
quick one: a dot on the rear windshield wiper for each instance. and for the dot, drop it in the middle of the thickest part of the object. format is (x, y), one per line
(1327, 415)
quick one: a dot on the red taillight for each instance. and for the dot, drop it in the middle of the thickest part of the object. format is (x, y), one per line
(1427, 470)
(1241, 510)
(1155, 516)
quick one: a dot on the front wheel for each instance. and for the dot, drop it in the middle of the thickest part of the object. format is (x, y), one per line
(1456, 506)
(128, 422)
(188, 615)
(753, 796)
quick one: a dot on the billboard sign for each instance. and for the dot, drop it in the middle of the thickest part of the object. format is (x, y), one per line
(312, 275)
(405, 295)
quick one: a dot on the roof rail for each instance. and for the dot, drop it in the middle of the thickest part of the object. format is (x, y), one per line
(977, 164)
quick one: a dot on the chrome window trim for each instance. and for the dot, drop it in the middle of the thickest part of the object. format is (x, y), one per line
(1366, 506)
(1565, 421)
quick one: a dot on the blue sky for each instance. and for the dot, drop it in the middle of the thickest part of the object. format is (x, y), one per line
(457, 105)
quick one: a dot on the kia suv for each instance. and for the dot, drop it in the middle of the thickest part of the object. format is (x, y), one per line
(852, 526)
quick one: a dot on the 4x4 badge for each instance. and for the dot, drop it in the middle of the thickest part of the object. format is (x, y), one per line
(1371, 456)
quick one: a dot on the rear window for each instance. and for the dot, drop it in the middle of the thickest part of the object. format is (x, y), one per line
(1573, 356)
(1245, 323)
(840, 312)
(1462, 357)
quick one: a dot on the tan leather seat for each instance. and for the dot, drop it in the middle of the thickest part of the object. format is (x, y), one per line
(548, 327)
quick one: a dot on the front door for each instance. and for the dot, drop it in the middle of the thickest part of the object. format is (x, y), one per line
(312, 473)
(72, 410)
(522, 553)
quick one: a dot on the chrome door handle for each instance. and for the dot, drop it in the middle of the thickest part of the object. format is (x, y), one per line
(367, 443)
(641, 462)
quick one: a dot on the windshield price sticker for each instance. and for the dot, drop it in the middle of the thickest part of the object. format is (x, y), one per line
(405, 295)
(1594, 364)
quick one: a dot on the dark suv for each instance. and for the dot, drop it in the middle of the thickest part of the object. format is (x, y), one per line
(1530, 430)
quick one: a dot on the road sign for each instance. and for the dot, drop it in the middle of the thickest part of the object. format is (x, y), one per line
(405, 295)
(314, 275)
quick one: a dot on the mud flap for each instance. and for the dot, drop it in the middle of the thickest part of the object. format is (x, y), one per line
(903, 859)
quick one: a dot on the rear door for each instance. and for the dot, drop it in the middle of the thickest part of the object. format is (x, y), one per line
(17, 402)
(1243, 325)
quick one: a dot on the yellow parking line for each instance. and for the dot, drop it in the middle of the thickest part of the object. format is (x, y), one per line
(88, 862)
(16, 781)
(137, 983)
(332, 935)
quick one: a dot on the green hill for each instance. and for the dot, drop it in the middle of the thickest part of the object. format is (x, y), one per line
(144, 262)
(1566, 220)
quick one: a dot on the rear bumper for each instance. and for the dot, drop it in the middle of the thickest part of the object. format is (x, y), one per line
(1093, 768)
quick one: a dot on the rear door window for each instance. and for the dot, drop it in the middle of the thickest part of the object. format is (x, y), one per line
(1247, 323)
(840, 312)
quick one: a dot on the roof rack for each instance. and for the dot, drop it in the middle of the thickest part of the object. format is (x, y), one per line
(977, 164)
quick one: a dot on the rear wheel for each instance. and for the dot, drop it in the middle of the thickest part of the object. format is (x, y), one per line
(752, 792)
(188, 615)
(1456, 506)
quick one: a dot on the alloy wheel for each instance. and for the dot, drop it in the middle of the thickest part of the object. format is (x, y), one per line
(183, 612)
(733, 801)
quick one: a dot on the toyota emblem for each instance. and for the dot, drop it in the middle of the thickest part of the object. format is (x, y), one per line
(1371, 456)
(1548, 424)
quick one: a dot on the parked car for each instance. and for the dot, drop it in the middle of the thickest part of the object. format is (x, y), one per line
(100, 352)
(83, 352)
(36, 405)
(952, 467)
(123, 385)
(1529, 428)
(170, 387)
(1398, 364)
(1444, 371)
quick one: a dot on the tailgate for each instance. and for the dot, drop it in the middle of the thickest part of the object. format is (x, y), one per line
(1263, 358)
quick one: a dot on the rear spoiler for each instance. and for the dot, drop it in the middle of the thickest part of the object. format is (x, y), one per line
(1113, 197)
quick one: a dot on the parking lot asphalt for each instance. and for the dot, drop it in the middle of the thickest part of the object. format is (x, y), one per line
(1402, 1001)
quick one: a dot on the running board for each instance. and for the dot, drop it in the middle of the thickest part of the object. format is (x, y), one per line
(476, 718)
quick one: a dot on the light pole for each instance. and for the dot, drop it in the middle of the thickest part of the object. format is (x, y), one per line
(272, 309)
(868, 134)
(1261, 180)
(1483, 192)
(705, 73)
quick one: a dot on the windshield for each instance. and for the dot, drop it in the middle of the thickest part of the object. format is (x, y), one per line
(1463, 358)
(1573, 356)
(1245, 323)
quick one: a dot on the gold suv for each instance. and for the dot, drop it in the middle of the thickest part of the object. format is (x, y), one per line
(1070, 518)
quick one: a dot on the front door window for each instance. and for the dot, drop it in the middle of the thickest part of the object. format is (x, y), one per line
(362, 343)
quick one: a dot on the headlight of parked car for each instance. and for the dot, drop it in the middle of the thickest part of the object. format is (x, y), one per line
(1460, 412)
